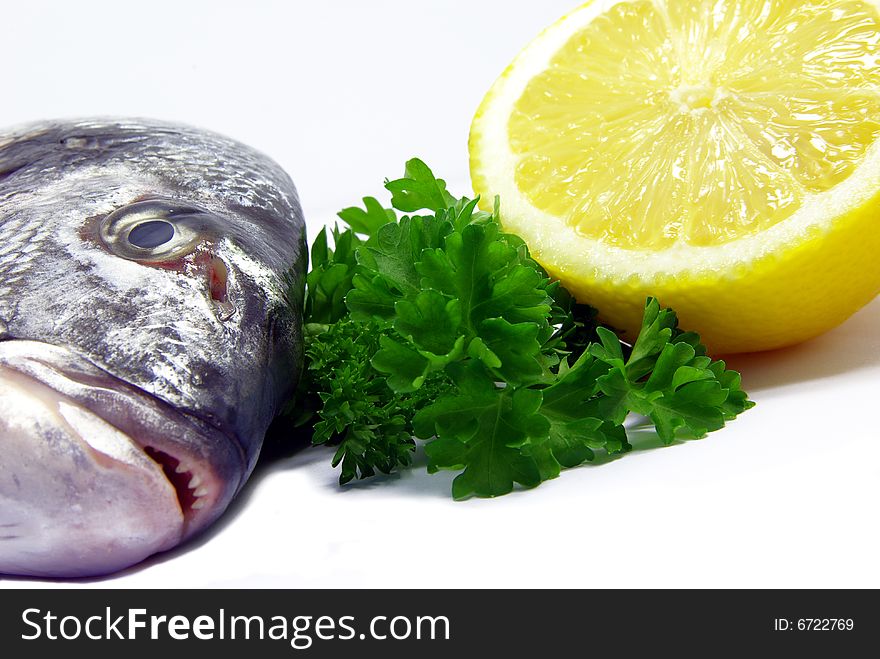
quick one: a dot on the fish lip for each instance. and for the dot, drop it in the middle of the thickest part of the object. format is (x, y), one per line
(206, 475)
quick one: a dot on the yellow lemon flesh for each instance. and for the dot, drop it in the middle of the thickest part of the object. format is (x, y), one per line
(720, 155)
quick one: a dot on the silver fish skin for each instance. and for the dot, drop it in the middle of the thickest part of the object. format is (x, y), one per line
(148, 335)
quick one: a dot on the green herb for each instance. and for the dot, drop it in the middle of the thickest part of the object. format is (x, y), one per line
(438, 325)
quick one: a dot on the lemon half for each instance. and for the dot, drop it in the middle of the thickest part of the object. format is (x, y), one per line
(719, 155)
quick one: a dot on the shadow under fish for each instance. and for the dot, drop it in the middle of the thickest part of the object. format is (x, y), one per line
(147, 337)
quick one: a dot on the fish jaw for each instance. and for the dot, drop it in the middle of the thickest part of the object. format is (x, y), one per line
(67, 508)
(96, 475)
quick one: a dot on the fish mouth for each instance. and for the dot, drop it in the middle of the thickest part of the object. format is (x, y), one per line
(96, 474)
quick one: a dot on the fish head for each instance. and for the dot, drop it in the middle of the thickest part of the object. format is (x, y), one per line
(149, 327)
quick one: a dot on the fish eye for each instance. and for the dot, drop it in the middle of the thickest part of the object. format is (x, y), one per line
(156, 230)
(151, 234)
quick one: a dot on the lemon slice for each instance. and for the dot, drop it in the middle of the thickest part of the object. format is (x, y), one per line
(720, 155)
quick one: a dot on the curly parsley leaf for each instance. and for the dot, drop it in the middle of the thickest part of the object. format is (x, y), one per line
(371, 425)
(330, 278)
(441, 326)
(482, 431)
(669, 378)
(369, 219)
(419, 190)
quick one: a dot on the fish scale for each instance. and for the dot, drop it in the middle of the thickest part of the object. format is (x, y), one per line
(18, 243)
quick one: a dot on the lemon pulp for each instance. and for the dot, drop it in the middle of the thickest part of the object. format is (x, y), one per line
(698, 122)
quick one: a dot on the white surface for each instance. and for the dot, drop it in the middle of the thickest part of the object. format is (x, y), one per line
(342, 93)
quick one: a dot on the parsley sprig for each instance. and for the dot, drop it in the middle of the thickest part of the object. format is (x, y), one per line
(438, 325)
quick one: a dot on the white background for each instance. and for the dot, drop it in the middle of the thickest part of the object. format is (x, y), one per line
(341, 93)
